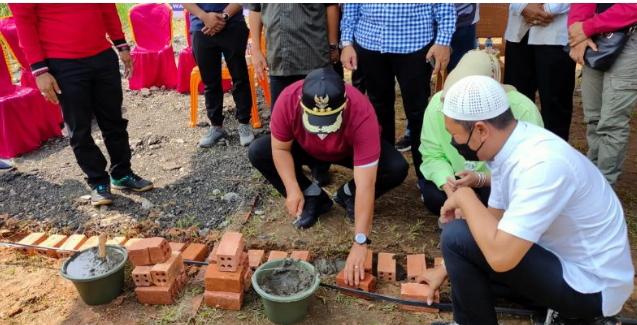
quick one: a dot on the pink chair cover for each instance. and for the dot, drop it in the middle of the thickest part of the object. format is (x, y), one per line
(10, 34)
(153, 56)
(25, 119)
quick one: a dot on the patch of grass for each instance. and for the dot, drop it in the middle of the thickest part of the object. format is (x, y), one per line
(187, 222)
(4, 10)
(208, 315)
(169, 315)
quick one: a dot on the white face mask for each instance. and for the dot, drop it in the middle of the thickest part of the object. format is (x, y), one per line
(322, 136)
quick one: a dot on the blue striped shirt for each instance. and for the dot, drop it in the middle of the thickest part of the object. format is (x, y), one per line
(398, 28)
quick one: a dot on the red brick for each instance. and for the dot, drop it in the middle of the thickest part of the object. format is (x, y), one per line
(368, 261)
(367, 284)
(158, 249)
(247, 280)
(34, 238)
(301, 255)
(277, 255)
(438, 261)
(386, 268)
(74, 242)
(141, 276)
(54, 241)
(132, 241)
(223, 300)
(229, 251)
(92, 241)
(416, 266)
(177, 247)
(255, 258)
(156, 295)
(182, 279)
(195, 252)
(138, 253)
(217, 280)
(120, 240)
(212, 258)
(164, 273)
(416, 291)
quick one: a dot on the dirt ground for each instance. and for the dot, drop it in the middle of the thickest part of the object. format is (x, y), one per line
(192, 204)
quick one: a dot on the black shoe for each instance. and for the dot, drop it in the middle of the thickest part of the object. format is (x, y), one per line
(314, 207)
(404, 143)
(101, 195)
(556, 319)
(321, 174)
(131, 182)
(345, 201)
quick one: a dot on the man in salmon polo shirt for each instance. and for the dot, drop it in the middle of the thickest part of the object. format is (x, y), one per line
(75, 65)
(322, 120)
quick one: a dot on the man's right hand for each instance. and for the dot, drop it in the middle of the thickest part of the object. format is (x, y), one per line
(48, 87)
(348, 58)
(259, 64)
(534, 14)
(577, 52)
(213, 22)
(294, 202)
(434, 279)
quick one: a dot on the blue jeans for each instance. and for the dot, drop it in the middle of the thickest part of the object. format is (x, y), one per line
(536, 279)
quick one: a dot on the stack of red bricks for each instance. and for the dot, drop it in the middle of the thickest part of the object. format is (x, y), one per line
(412, 290)
(369, 281)
(61, 246)
(228, 273)
(159, 272)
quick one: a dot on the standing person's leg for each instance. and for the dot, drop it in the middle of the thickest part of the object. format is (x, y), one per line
(462, 41)
(591, 88)
(414, 76)
(358, 82)
(538, 277)
(278, 83)
(519, 67)
(208, 56)
(555, 73)
(619, 99)
(75, 80)
(377, 72)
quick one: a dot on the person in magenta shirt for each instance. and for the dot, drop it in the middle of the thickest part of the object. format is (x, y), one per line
(321, 120)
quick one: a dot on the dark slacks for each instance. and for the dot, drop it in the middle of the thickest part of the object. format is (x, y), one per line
(462, 41)
(278, 83)
(537, 278)
(413, 74)
(92, 87)
(231, 42)
(392, 167)
(434, 198)
(548, 70)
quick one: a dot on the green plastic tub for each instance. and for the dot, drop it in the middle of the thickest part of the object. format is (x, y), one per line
(103, 288)
(288, 309)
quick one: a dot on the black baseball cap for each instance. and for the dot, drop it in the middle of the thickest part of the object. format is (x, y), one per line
(323, 101)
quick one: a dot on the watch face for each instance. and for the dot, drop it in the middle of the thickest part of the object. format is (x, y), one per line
(360, 238)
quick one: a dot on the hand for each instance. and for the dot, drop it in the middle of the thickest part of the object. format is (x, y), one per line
(576, 34)
(577, 52)
(348, 58)
(48, 87)
(467, 178)
(125, 57)
(294, 202)
(534, 14)
(213, 23)
(334, 55)
(355, 265)
(448, 211)
(259, 63)
(441, 54)
(434, 278)
(450, 186)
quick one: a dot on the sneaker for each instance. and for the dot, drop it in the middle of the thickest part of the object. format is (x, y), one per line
(404, 143)
(321, 174)
(314, 207)
(214, 134)
(554, 318)
(246, 136)
(6, 164)
(345, 201)
(132, 182)
(101, 195)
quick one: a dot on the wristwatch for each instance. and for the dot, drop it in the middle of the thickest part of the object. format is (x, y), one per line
(362, 239)
(225, 16)
(345, 44)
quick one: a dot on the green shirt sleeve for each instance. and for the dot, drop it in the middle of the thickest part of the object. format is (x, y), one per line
(436, 166)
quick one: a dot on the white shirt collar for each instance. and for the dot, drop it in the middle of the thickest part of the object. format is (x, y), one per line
(514, 139)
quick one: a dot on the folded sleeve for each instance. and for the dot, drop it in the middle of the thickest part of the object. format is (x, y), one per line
(26, 21)
(113, 24)
(351, 14)
(445, 16)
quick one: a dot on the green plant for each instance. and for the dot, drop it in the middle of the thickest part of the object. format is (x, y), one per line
(4, 10)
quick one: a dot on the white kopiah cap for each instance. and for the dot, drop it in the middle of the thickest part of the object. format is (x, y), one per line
(475, 98)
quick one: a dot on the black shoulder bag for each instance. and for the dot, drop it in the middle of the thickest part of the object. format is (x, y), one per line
(609, 45)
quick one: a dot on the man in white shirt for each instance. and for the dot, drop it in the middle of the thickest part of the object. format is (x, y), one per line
(554, 232)
(535, 60)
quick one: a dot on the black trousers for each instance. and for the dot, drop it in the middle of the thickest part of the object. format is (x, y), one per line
(278, 83)
(231, 42)
(537, 279)
(392, 167)
(434, 198)
(548, 70)
(92, 87)
(413, 74)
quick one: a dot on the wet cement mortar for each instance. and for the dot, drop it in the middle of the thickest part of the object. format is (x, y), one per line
(286, 280)
(195, 187)
(89, 264)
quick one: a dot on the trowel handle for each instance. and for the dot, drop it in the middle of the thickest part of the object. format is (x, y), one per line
(102, 245)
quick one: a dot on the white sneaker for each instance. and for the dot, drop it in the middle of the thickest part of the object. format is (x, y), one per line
(246, 136)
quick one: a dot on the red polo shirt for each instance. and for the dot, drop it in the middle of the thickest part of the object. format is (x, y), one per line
(357, 139)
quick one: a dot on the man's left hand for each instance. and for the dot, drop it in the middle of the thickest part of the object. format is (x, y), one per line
(355, 265)
(576, 34)
(451, 209)
(440, 54)
(128, 63)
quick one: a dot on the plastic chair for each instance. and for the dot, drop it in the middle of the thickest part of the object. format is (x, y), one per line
(9, 32)
(492, 25)
(25, 117)
(153, 56)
